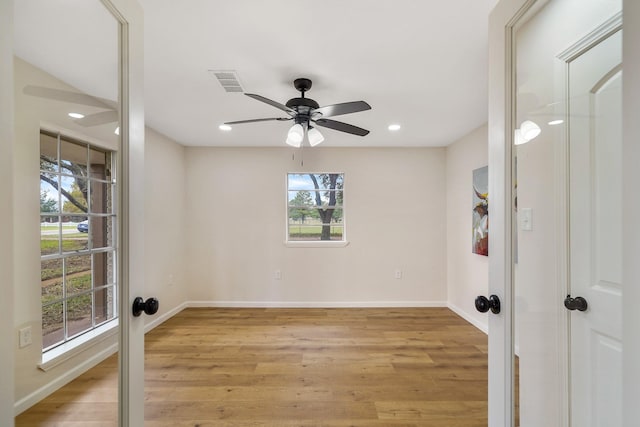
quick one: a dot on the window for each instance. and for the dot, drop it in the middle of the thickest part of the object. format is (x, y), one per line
(315, 207)
(77, 247)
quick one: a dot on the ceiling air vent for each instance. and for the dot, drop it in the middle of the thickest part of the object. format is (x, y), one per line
(228, 79)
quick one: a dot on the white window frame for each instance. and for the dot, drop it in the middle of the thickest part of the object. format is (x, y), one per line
(315, 243)
(98, 332)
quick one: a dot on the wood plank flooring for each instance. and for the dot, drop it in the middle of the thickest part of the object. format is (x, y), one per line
(404, 367)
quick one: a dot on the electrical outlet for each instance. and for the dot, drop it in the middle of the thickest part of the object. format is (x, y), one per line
(24, 337)
(277, 275)
(398, 274)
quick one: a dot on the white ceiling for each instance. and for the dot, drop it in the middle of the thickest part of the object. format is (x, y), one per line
(422, 64)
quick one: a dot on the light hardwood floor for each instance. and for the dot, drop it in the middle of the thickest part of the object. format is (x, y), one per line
(406, 367)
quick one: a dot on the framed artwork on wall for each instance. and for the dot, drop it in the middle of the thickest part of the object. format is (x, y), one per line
(480, 212)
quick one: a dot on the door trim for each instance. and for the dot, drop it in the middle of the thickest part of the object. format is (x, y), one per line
(502, 22)
(631, 207)
(130, 210)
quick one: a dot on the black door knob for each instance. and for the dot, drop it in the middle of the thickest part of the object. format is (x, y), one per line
(577, 303)
(150, 306)
(484, 304)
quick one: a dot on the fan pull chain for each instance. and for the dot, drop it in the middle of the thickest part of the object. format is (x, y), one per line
(293, 156)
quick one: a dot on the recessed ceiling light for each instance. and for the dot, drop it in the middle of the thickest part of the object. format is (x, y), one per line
(76, 115)
(225, 128)
(555, 122)
(394, 127)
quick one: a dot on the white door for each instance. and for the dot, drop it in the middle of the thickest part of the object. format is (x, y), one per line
(537, 222)
(127, 65)
(595, 165)
(131, 349)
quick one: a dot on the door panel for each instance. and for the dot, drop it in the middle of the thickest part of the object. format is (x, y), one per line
(595, 152)
(64, 64)
(559, 235)
(571, 25)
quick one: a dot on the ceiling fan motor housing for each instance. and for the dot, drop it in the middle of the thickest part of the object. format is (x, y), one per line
(300, 104)
(303, 106)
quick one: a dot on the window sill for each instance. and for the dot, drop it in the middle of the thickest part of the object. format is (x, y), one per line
(66, 351)
(317, 244)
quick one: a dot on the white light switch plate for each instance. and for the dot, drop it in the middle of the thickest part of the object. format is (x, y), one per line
(526, 219)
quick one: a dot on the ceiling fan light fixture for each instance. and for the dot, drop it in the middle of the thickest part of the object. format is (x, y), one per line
(529, 130)
(314, 136)
(295, 135)
(225, 128)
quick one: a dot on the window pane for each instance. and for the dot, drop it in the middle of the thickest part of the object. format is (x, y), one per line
(49, 235)
(303, 215)
(74, 239)
(51, 280)
(315, 232)
(312, 215)
(78, 282)
(324, 181)
(104, 305)
(52, 324)
(74, 195)
(103, 271)
(77, 266)
(101, 232)
(49, 195)
(78, 314)
(338, 215)
(73, 158)
(101, 196)
(298, 181)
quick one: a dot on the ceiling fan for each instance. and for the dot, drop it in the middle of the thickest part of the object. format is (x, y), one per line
(96, 119)
(305, 112)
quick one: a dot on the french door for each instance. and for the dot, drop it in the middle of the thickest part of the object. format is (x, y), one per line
(57, 83)
(559, 153)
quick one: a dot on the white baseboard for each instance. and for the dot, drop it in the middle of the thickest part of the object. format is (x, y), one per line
(44, 391)
(157, 320)
(460, 312)
(315, 304)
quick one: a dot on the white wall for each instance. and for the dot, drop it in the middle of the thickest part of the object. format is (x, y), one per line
(467, 273)
(395, 219)
(165, 218)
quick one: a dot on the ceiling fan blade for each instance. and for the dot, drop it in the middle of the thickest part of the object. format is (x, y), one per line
(258, 120)
(272, 103)
(344, 108)
(98, 118)
(342, 127)
(68, 96)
